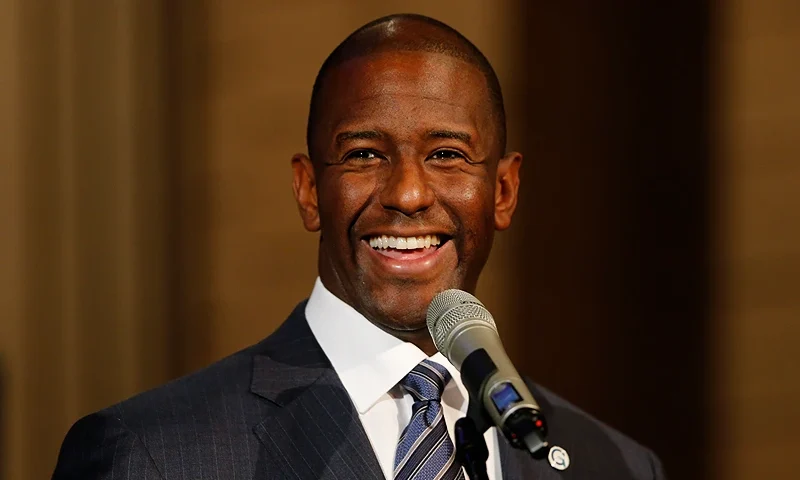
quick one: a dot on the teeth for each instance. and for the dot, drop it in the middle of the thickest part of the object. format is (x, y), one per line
(404, 243)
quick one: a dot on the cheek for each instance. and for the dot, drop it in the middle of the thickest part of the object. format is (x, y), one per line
(471, 205)
(341, 200)
(472, 200)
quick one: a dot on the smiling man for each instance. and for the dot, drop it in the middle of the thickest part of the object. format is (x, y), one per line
(406, 179)
(406, 139)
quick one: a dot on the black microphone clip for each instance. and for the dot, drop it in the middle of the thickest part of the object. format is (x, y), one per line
(524, 427)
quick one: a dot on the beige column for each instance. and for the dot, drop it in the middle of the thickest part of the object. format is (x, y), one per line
(756, 393)
(11, 267)
(84, 278)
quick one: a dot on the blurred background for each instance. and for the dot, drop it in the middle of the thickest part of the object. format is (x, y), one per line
(651, 276)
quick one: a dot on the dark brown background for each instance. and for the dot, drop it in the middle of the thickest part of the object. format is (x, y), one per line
(651, 275)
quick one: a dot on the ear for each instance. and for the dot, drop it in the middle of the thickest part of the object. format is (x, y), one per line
(304, 185)
(506, 190)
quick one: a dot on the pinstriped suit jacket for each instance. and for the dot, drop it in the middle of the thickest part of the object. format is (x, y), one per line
(278, 410)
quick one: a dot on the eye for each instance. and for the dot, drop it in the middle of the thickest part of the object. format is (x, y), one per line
(361, 156)
(447, 155)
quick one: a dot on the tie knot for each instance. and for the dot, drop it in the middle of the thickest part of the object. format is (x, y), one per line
(426, 381)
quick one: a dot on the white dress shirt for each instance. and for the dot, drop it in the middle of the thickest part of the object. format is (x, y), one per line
(370, 364)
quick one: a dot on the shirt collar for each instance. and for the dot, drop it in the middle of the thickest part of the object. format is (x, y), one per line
(369, 361)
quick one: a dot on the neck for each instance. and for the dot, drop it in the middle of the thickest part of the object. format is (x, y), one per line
(421, 338)
(330, 279)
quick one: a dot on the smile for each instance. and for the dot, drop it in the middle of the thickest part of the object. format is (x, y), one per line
(384, 242)
(409, 256)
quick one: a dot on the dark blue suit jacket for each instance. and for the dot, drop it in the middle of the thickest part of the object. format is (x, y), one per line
(278, 410)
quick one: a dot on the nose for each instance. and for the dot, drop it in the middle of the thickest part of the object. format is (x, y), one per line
(406, 188)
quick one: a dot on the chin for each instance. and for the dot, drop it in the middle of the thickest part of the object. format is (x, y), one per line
(402, 308)
(404, 321)
(402, 317)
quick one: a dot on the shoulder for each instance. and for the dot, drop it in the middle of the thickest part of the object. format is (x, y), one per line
(99, 446)
(599, 447)
(208, 389)
(212, 394)
(201, 395)
(123, 436)
(173, 429)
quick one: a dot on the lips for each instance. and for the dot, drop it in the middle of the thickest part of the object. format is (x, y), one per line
(417, 256)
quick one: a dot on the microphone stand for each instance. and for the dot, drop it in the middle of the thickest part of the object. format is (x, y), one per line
(471, 449)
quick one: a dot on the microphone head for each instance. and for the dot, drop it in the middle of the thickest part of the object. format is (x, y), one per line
(449, 309)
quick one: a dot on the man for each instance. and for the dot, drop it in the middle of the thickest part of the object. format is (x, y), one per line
(406, 179)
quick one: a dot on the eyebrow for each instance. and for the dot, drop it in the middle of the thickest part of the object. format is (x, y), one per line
(374, 134)
(461, 136)
(357, 135)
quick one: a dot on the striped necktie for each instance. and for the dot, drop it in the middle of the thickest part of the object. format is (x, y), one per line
(425, 451)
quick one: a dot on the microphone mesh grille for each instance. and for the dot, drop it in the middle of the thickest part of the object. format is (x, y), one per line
(450, 308)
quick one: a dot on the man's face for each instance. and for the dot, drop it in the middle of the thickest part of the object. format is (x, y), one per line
(405, 186)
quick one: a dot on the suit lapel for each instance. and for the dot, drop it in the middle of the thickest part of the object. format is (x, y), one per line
(315, 432)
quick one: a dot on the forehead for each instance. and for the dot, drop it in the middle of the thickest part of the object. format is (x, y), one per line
(406, 90)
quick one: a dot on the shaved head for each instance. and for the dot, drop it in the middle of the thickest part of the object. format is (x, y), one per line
(411, 33)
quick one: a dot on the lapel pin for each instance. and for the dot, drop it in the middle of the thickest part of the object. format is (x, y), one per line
(558, 458)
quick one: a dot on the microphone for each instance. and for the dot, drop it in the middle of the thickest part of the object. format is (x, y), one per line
(464, 331)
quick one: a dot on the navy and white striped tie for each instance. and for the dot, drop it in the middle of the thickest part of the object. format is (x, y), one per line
(424, 451)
